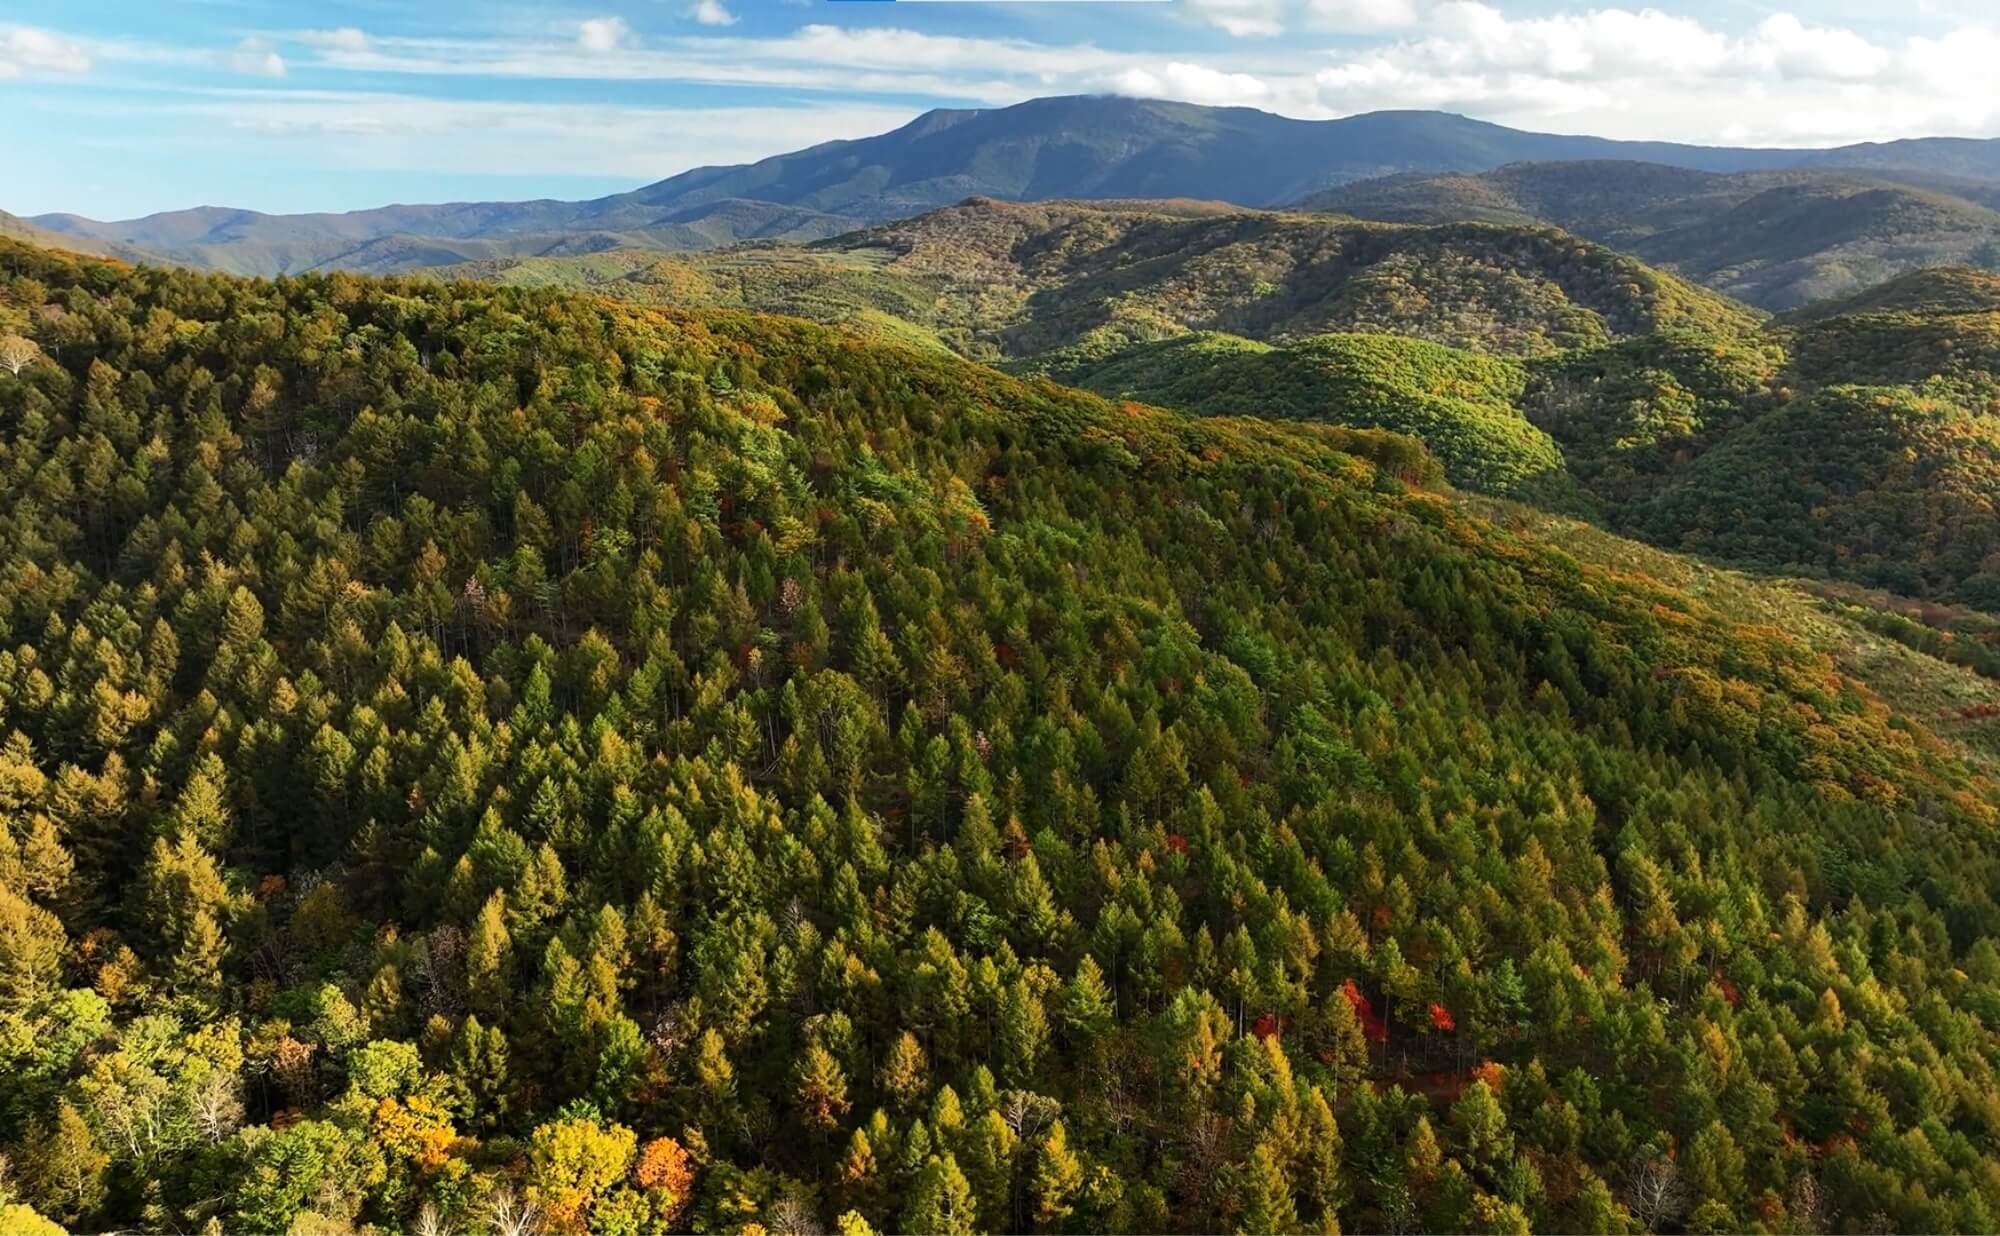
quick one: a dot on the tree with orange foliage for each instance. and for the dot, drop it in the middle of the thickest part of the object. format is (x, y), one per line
(416, 1129)
(665, 1174)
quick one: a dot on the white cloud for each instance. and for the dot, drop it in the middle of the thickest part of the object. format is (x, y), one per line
(1360, 16)
(25, 49)
(824, 58)
(1602, 43)
(1266, 18)
(1194, 83)
(602, 34)
(255, 58)
(1242, 18)
(1648, 74)
(711, 13)
(1620, 72)
(346, 38)
(1785, 43)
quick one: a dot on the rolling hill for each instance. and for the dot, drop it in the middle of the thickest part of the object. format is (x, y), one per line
(405, 238)
(1777, 239)
(1063, 283)
(1932, 290)
(1043, 149)
(1533, 365)
(1880, 485)
(1937, 329)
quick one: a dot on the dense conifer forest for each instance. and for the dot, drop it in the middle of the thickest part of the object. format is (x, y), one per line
(484, 759)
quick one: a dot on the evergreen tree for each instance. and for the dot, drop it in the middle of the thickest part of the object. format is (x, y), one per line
(1058, 1177)
(940, 1200)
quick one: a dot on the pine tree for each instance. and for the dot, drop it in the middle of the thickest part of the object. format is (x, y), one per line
(940, 1200)
(856, 1179)
(1086, 1004)
(1024, 1033)
(1266, 1206)
(489, 958)
(1058, 1178)
(1319, 1165)
(821, 1089)
(31, 950)
(202, 808)
(63, 1167)
(479, 1071)
(185, 901)
(988, 1150)
(1479, 1127)
(904, 1075)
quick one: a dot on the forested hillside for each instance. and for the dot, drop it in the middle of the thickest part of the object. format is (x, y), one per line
(1932, 290)
(476, 755)
(1463, 406)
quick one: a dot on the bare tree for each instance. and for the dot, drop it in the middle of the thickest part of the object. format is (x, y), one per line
(1655, 1192)
(429, 1222)
(788, 1216)
(1208, 1144)
(512, 1216)
(1027, 1113)
(1807, 1204)
(218, 1105)
(17, 353)
(441, 969)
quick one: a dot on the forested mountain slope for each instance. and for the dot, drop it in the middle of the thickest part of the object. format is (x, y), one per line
(1876, 483)
(1778, 239)
(468, 744)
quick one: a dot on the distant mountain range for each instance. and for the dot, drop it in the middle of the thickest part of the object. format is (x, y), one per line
(1073, 147)
(1778, 239)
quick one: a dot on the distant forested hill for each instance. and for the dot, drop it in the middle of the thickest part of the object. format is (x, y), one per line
(1777, 239)
(1026, 282)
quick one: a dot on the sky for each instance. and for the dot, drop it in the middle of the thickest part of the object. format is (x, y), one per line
(117, 108)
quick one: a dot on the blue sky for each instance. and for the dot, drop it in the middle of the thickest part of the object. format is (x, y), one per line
(120, 107)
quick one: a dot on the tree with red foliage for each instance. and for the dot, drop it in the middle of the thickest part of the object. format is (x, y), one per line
(1373, 1026)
